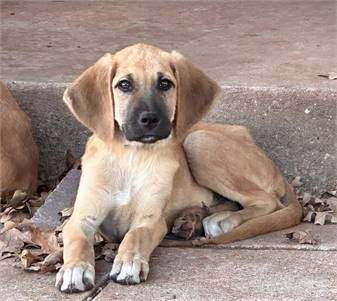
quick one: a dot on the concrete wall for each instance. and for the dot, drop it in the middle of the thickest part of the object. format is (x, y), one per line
(296, 127)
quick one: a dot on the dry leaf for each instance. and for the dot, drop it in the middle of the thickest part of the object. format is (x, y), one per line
(308, 217)
(71, 163)
(66, 213)
(320, 210)
(11, 241)
(17, 199)
(297, 182)
(302, 237)
(109, 251)
(320, 218)
(330, 75)
(6, 255)
(306, 198)
(38, 251)
(47, 241)
(332, 203)
(28, 257)
(52, 262)
(7, 226)
(20, 206)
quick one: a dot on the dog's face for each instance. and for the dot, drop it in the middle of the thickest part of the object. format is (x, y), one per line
(148, 93)
(145, 94)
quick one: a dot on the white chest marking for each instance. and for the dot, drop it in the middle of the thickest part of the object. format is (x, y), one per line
(121, 197)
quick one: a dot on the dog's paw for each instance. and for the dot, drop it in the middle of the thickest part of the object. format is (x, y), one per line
(220, 223)
(75, 278)
(188, 225)
(129, 268)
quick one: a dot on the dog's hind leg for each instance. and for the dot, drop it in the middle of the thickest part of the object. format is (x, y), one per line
(226, 160)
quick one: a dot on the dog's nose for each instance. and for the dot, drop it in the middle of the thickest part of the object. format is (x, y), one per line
(148, 120)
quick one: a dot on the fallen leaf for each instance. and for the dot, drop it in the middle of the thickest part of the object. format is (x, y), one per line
(109, 251)
(330, 75)
(302, 237)
(7, 226)
(308, 217)
(332, 203)
(47, 241)
(11, 241)
(28, 257)
(296, 182)
(321, 217)
(306, 198)
(320, 210)
(6, 255)
(71, 163)
(52, 262)
(66, 213)
(17, 199)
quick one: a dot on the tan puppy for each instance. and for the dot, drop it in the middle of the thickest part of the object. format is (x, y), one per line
(18, 151)
(141, 103)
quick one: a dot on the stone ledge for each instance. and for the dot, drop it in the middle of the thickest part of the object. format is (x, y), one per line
(295, 126)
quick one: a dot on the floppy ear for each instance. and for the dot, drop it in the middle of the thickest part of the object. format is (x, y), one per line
(90, 98)
(196, 92)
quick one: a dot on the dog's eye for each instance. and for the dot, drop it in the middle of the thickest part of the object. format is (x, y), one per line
(125, 85)
(165, 84)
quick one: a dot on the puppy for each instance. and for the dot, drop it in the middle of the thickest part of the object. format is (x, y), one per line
(18, 151)
(149, 158)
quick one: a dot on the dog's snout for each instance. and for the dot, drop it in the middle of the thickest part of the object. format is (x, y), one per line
(147, 123)
(148, 120)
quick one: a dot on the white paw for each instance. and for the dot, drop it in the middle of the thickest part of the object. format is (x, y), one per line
(129, 269)
(219, 223)
(75, 278)
(228, 225)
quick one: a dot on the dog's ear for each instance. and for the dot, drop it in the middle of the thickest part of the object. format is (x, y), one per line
(90, 98)
(195, 93)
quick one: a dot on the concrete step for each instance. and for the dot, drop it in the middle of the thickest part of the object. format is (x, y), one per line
(47, 218)
(295, 126)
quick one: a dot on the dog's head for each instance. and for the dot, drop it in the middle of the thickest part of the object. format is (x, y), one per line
(144, 92)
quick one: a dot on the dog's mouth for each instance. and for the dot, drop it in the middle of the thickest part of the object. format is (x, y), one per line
(149, 139)
(146, 138)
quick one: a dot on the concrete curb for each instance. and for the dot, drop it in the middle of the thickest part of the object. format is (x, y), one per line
(295, 126)
(47, 218)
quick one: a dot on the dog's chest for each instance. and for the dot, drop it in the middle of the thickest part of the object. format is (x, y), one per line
(139, 185)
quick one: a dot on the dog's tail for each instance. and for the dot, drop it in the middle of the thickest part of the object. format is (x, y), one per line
(281, 219)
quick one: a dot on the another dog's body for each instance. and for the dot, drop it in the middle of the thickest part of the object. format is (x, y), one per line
(18, 151)
(146, 163)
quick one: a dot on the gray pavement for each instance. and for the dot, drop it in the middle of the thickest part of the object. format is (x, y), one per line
(239, 43)
(197, 274)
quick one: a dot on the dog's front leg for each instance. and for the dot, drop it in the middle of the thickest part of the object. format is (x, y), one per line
(131, 265)
(78, 273)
